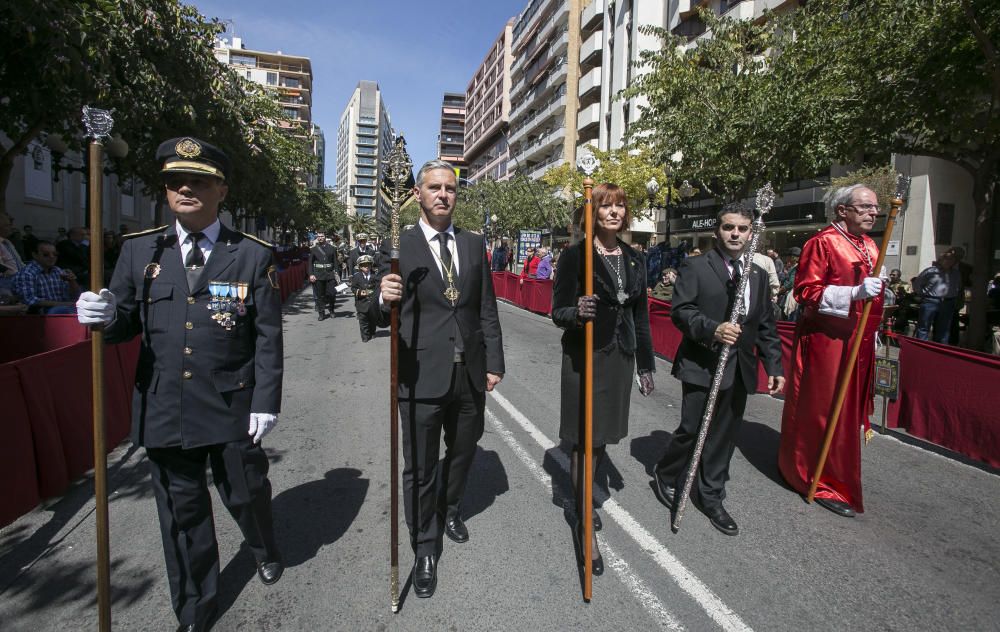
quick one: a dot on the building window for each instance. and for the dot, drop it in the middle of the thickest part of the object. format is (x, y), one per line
(291, 114)
(366, 171)
(944, 224)
(292, 82)
(243, 60)
(272, 78)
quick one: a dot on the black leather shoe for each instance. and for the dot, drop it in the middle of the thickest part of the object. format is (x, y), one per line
(664, 493)
(321, 316)
(719, 518)
(191, 627)
(837, 507)
(455, 529)
(270, 572)
(598, 525)
(596, 563)
(425, 577)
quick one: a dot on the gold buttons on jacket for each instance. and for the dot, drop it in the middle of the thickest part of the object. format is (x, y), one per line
(190, 300)
(188, 375)
(189, 325)
(187, 351)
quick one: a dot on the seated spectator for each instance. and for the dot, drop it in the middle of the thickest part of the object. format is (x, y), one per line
(10, 260)
(44, 287)
(664, 290)
(74, 254)
(28, 242)
(544, 270)
(10, 304)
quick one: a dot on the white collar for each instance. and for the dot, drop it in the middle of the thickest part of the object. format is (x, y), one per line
(430, 234)
(211, 232)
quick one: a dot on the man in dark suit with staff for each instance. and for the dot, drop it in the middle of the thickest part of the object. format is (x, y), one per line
(703, 299)
(204, 299)
(450, 354)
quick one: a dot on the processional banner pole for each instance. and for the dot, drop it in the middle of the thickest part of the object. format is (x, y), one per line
(902, 190)
(765, 200)
(400, 169)
(588, 163)
(98, 124)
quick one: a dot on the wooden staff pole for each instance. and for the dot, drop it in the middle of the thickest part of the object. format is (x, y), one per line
(588, 394)
(852, 358)
(94, 181)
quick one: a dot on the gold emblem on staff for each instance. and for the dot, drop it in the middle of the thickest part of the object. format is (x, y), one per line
(187, 148)
(451, 293)
(152, 271)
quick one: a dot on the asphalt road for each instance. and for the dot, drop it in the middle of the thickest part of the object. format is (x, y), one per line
(925, 556)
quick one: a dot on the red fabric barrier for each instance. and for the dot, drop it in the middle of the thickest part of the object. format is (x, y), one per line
(500, 284)
(23, 336)
(18, 469)
(786, 330)
(949, 396)
(666, 336)
(513, 292)
(291, 279)
(536, 295)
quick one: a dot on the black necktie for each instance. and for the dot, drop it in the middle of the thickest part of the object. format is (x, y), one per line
(194, 263)
(737, 271)
(446, 257)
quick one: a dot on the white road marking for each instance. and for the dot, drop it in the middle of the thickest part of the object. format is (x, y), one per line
(633, 582)
(714, 607)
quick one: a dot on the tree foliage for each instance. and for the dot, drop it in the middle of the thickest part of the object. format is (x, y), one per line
(152, 63)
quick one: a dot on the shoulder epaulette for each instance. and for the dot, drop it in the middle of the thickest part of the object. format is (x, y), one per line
(148, 231)
(257, 239)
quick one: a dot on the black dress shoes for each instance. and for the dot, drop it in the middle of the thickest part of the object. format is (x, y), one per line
(455, 529)
(270, 572)
(837, 507)
(596, 559)
(719, 518)
(664, 493)
(321, 316)
(425, 576)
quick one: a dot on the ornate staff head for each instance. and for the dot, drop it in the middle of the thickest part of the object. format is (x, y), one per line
(98, 123)
(587, 163)
(399, 169)
(902, 194)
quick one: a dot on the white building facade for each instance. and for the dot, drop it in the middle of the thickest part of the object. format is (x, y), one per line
(364, 139)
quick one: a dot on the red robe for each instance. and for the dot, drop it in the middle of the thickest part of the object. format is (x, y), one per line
(822, 344)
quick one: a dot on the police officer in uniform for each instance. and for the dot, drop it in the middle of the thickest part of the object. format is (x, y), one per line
(204, 300)
(323, 269)
(363, 248)
(364, 284)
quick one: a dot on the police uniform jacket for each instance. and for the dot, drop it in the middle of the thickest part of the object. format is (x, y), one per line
(196, 382)
(352, 257)
(360, 285)
(323, 262)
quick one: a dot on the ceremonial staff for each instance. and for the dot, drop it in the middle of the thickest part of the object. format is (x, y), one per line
(400, 169)
(902, 187)
(588, 163)
(765, 199)
(98, 124)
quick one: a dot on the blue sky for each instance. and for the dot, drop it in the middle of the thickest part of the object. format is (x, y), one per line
(416, 51)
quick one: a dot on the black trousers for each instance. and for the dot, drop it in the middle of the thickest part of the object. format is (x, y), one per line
(713, 471)
(365, 322)
(184, 505)
(324, 294)
(432, 491)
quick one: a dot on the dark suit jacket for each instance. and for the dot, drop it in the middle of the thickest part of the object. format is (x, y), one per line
(326, 257)
(355, 254)
(232, 373)
(627, 324)
(703, 298)
(358, 283)
(427, 319)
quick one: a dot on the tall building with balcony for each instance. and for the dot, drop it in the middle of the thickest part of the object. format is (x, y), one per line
(487, 111)
(545, 77)
(290, 79)
(364, 140)
(451, 138)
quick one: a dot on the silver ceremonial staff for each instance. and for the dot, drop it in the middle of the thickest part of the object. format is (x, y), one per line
(765, 200)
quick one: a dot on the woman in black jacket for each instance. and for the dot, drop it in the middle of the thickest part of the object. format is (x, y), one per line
(622, 342)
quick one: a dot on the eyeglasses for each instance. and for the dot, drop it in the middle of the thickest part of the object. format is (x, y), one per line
(864, 208)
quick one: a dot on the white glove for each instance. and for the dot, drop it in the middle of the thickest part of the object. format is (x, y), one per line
(96, 309)
(869, 288)
(261, 424)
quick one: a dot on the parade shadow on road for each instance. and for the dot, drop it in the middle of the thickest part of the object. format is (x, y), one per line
(648, 450)
(487, 481)
(759, 445)
(332, 505)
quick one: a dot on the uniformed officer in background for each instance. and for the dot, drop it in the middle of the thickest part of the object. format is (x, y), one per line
(363, 248)
(364, 284)
(323, 268)
(205, 302)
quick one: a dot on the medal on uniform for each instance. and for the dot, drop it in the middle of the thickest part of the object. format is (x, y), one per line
(152, 271)
(241, 292)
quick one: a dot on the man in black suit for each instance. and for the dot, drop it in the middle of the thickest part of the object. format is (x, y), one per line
(450, 354)
(703, 298)
(208, 381)
(323, 268)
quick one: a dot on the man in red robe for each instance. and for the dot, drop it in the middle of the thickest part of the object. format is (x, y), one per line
(835, 276)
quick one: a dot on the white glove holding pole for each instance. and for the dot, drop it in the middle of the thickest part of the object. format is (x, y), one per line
(869, 288)
(261, 424)
(96, 309)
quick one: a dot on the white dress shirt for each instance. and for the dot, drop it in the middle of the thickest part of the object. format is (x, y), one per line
(206, 243)
(431, 236)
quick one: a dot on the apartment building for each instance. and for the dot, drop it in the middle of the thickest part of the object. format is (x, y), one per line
(290, 79)
(487, 111)
(451, 137)
(545, 76)
(364, 139)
